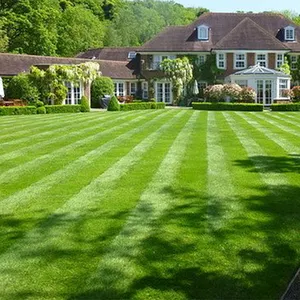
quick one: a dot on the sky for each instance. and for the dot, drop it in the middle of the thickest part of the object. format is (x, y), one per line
(249, 5)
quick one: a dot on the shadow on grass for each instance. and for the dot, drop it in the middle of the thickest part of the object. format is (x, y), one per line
(273, 164)
(252, 256)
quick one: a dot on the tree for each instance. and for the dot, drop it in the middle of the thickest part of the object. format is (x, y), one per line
(3, 38)
(79, 30)
(101, 86)
(180, 72)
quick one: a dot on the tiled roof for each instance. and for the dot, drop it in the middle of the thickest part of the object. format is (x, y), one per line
(184, 38)
(254, 37)
(120, 54)
(12, 64)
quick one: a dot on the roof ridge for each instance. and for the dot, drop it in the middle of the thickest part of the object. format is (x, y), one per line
(247, 19)
(41, 56)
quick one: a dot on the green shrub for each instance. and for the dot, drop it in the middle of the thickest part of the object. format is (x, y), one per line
(17, 110)
(113, 104)
(53, 109)
(41, 110)
(101, 86)
(227, 106)
(21, 87)
(142, 105)
(286, 107)
(84, 103)
(39, 103)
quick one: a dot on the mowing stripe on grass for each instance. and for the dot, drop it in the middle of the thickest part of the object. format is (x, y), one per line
(22, 151)
(278, 124)
(117, 269)
(9, 204)
(220, 190)
(278, 117)
(14, 173)
(42, 130)
(282, 142)
(255, 152)
(290, 115)
(73, 209)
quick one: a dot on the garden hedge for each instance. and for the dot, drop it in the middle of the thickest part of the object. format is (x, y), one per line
(142, 105)
(17, 110)
(227, 106)
(52, 109)
(286, 107)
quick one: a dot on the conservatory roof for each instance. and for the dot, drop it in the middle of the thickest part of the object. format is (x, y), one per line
(257, 69)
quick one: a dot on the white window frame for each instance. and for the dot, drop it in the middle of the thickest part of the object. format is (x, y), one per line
(118, 92)
(163, 91)
(257, 60)
(157, 59)
(133, 90)
(279, 60)
(202, 32)
(221, 62)
(74, 93)
(289, 33)
(237, 59)
(294, 59)
(145, 90)
(201, 59)
(281, 88)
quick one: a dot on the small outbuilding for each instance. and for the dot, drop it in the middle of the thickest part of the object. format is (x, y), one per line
(270, 85)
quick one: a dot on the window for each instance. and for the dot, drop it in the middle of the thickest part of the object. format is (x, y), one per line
(202, 32)
(131, 55)
(240, 61)
(74, 93)
(119, 89)
(289, 33)
(242, 83)
(202, 85)
(163, 92)
(145, 90)
(157, 59)
(283, 86)
(201, 59)
(221, 61)
(69, 93)
(279, 60)
(261, 59)
(293, 62)
(133, 88)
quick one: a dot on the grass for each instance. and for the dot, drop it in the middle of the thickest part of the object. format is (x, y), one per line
(174, 204)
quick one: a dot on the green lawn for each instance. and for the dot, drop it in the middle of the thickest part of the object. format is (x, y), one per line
(167, 204)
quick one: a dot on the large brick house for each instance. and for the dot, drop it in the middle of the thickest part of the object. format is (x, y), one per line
(238, 41)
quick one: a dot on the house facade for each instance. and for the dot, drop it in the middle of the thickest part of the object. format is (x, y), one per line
(237, 41)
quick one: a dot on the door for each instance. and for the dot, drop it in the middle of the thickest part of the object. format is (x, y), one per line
(264, 90)
(163, 92)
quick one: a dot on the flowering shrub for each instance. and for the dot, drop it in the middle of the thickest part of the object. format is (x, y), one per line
(247, 94)
(232, 90)
(296, 93)
(288, 93)
(219, 92)
(214, 93)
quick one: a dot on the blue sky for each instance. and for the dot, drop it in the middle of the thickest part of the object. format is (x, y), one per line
(250, 5)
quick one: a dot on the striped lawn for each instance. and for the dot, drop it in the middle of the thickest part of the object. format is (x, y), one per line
(170, 204)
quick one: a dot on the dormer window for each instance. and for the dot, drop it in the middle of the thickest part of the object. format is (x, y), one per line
(131, 55)
(202, 33)
(289, 33)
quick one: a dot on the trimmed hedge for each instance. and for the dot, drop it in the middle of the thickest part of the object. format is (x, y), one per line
(17, 110)
(53, 109)
(285, 107)
(142, 105)
(227, 106)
